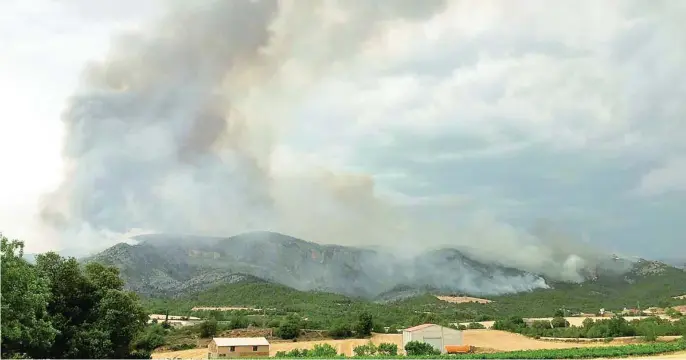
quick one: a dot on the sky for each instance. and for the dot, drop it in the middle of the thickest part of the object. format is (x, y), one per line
(482, 117)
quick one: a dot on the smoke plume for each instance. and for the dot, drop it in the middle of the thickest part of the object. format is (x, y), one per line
(178, 131)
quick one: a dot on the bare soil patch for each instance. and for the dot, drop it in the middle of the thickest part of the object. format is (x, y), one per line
(463, 299)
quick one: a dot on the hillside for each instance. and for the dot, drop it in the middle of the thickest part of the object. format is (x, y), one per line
(170, 265)
(167, 266)
(323, 309)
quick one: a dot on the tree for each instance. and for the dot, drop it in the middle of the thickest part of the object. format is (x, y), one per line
(340, 331)
(559, 322)
(364, 325)
(288, 329)
(26, 328)
(208, 328)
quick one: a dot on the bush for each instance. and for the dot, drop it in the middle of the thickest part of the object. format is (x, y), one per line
(462, 327)
(340, 331)
(323, 351)
(151, 338)
(475, 325)
(673, 313)
(368, 349)
(418, 348)
(387, 349)
(184, 346)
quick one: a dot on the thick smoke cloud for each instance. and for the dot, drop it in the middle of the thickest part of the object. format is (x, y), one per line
(178, 131)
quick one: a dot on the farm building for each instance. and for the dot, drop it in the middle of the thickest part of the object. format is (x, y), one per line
(238, 347)
(438, 336)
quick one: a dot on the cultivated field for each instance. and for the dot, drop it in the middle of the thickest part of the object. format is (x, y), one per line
(463, 299)
(485, 340)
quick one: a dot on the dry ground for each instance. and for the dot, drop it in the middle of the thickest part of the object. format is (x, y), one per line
(463, 299)
(492, 340)
(681, 297)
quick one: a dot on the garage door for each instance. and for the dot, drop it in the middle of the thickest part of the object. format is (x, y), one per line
(435, 342)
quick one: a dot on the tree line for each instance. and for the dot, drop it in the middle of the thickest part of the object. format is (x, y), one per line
(649, 328)
(59, 308)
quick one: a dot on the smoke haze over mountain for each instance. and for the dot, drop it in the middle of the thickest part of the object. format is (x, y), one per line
(196, 125)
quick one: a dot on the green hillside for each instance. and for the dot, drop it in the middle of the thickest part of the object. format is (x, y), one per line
(322, 309)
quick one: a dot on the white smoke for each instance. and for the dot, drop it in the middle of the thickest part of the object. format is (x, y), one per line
(179, 131)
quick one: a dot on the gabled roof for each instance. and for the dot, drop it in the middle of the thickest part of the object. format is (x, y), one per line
(419, 327)
(245, 341)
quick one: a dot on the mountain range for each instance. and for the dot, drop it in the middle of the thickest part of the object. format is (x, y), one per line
(173, 265)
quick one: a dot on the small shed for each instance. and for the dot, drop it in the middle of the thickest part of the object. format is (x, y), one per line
(438, 336)
(238, 347)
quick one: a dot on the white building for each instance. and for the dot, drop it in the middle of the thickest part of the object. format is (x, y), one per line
(438, 336)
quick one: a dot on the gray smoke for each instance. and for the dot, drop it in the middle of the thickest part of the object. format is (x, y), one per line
(176, 132)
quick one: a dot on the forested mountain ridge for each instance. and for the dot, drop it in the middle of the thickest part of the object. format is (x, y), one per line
(171, 265)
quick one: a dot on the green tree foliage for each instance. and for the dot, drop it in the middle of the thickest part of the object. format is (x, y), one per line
(340, 330)
(649, 328)
(26, 327)
(289, 328)
(59, 309)
(475, 325)
(364, 325)
(418, 348)
(674, 314)
(208, 328)
(559, 322)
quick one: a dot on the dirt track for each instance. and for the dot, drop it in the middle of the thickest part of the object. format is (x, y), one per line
(485, 339)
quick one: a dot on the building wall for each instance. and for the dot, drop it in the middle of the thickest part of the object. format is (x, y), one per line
(241, 351)
(437, 336)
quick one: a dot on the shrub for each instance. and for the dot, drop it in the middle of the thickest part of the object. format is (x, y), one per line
(418, 348)
(368, 349)
(387, 349)
(322, 351)
(340, 331)
(475, 325)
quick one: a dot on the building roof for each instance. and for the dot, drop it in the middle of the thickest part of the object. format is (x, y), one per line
(419, 327)
(243, 341)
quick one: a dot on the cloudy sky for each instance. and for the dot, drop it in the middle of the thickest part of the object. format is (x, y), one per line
(488, 113)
